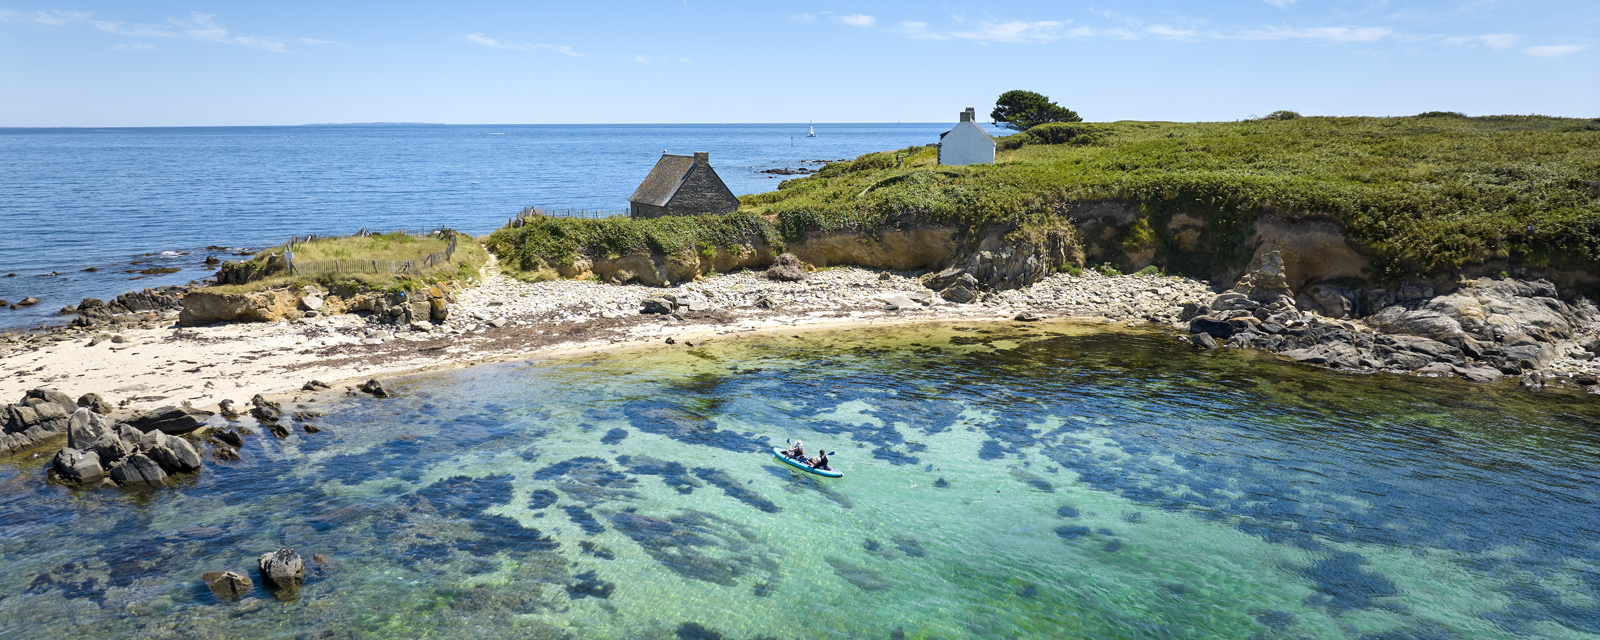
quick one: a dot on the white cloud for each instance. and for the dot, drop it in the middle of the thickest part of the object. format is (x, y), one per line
(1280, 3)
(858, 20)
(138, 30)
(802, 17)
(518, 46)
(1491, 40)
(1554, 50)
(1326, 34)
(641, 58)
(198, 26)
(1009, 32)
(1164, 31)
(56, 18)
(137, 46)
(683, 60)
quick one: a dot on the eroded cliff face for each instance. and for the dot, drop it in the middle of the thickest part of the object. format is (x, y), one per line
(999, 257)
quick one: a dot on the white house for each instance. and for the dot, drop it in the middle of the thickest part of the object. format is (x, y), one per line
(968, 143)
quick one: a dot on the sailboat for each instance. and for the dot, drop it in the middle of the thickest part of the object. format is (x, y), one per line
(813, 133)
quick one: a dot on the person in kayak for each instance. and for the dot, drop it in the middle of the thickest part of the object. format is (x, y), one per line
(819, 462)
(798, 452)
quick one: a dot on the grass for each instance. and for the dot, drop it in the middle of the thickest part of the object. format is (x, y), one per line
(1426, 193)
(320, 257)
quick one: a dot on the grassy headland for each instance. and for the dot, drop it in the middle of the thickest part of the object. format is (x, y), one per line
(349, 261)
(1425, 193)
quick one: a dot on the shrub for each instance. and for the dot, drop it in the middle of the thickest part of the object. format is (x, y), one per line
(1107, 269)
(1151, 270)
(1282, 115)
(1441, 114)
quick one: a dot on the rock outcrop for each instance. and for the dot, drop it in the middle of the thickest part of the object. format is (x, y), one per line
(228, 585)
(39, 418)
(282, 570)
(98, 448)
(1481, 331)
(172, 420)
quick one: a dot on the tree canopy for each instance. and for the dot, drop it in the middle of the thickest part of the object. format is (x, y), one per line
(1023, 110)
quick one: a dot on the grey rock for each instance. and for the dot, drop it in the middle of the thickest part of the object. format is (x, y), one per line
(1478, 374)
(766, 302)
(1422, 322)
(265, 410)
(376, 389)
(1028, 316)
(111, 447)
(282, 569)
(76, 466)
(84, 427)
(232, 438)
(959, 294)
(228, 409)
(174, 454)
(315, 385)
(900, 302)
(62, 400)
(171, 420)
(498, 322)
(93, 402)
(1211, 326)
(942, 279)
(786, 268)
(1203, 341)
(137, 470)
(311, 303)
(1267, 283)
(49, 412)
(1530, 356)
(228, 585)
(658, 306)
(1233, 302)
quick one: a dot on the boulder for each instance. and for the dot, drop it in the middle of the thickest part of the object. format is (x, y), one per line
(171, 420)
(265, 410)
(958, 294)
(660, 306)
(111, 447)
(228, 585)
(228, 409)
(1203, 341)
(76, 466)
(174, 454)
(376, 388)
(1267, 283)
(93, 402)
(1478, 374)
(1530, 356)
(1211, 326)
(62, 400)
(84, 427)
(939, 281)
(282, 569)
(20, 418)
(1426, 323)
(786, 268)
(138, 470)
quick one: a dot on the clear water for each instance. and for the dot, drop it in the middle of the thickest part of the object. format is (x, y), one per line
(72, 199)
(1000, 482)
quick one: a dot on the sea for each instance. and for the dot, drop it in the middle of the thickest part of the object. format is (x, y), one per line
(1001, 480)
(133, 203)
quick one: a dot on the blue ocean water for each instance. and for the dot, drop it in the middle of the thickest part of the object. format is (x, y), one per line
(72, 199)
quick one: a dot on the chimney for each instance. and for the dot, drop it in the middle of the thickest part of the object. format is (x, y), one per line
(702, 157)
(969, 115)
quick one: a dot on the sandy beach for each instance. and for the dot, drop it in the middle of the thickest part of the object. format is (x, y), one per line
(502, 319)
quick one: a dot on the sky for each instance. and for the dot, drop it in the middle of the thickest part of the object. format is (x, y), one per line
(157, 63)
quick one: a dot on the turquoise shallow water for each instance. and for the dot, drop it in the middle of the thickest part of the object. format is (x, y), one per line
(1001, 482)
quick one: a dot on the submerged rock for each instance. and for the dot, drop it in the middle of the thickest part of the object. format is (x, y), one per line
(228, 585)
(282, 569)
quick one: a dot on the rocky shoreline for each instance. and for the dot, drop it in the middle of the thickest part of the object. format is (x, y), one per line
(134, 355)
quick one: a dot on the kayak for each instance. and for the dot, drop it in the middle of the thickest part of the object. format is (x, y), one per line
(826, 473)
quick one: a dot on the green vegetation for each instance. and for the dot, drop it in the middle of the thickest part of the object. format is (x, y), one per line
(1433, 191)
(367, 262)
(1427, 192)
(560, 241)
(1024, 110)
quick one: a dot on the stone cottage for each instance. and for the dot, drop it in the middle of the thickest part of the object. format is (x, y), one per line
(968, 143)
(682, 186)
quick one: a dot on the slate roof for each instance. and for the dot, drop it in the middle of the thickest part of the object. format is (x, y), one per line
(663, 181)
(980, 130)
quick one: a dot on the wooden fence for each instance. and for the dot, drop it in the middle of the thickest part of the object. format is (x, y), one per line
(589, 214)
(412, 267)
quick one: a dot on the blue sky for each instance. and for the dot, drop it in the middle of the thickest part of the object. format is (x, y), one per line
(291, 62)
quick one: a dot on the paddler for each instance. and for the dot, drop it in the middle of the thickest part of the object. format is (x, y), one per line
(819, 462)
(798, 452)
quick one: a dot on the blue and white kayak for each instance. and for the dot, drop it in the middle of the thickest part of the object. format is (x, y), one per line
(826, 473)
